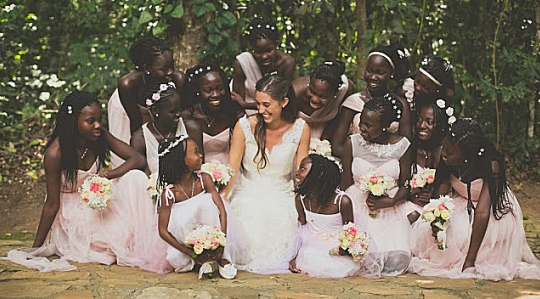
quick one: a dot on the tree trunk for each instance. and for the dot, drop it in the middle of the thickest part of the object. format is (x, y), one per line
(536, 95)
(187, 37)
(361, 16)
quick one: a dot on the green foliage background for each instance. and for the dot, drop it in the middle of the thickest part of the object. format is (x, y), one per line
(49, 48)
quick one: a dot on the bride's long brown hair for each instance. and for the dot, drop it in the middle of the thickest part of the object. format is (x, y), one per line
(278, 89)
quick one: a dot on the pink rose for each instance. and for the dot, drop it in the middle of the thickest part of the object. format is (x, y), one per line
(352, 231)
(430, 179)
(94, 187)
(442, 207)
(413, 183)
(373, 179)
(217, 174)
(149, 102)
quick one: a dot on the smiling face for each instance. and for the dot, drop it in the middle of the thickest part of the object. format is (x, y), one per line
(163, 67)
(370, 125)
(168, 109)
(212, 90)
(303, 171)
(425, 124)
(193, 156)
(269, 108)
(423, 85)
(89, 122)
(451, 154)
(319, 93)
(377, 74)
(264, 52)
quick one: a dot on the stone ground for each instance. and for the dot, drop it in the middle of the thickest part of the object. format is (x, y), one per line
(99, 281)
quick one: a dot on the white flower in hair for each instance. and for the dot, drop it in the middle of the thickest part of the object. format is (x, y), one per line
(403, 54)
(447, 65)
(407, 52)
(441, 103)
(208, 67)
(273, 28)
(451, 120)
(424, 62)
(259, 26)
(155, 97)
(267, 26)
(163, 87)
(450, 111)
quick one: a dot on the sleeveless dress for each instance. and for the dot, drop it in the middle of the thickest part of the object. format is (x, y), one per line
(199, 209)
(318, 236)
(152, 144)
(389, 231)
(503, 255)
(125, 232)
(263, 208)
(216, 148)
(318, 119)
(119, 123)
(356, 102)
(252, 71)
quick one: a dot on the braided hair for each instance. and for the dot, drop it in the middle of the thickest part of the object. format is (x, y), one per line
(172, 161)
(439, 131)
(262, 28)
(321, 182)
(329, 72)
(67, 132)
(164, 90)
(278, 89)
(399, 57)
(194, 74)
(479, 153)
(389, 109)
(145, 51)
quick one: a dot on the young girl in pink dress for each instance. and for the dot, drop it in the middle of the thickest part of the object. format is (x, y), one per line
(322, 211)
(377, 150)
(123, 232)
(485, 236)
(214, 112)
(188, 199)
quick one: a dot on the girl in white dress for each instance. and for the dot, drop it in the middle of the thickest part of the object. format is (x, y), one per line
(376, 149)
(322, 211)
(188, 199)
(262, 201)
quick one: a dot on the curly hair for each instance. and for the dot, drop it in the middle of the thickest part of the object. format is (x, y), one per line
(329, 72)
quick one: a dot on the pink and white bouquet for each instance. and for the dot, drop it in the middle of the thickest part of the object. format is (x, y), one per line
(377, 184)
(321, 147)
(437, 212)
(221, 174)
(152, 186)
(205, 237)
(353, 239)
(96, 192)
(423, 178)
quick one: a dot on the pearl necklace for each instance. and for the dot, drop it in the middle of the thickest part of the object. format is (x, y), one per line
(84, 153)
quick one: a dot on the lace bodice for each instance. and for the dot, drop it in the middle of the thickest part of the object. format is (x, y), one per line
(280, 158)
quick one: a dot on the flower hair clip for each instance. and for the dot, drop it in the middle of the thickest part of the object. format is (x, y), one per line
(449, 110)
(481, 151)
(394, 105)
(329, 157)
(447, 65)
(424, 62)
(157, 96)
(173, 145)
(403, 54)
(69, 109)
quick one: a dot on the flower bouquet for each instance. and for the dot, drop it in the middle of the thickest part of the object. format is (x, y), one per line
(423, 178)
(152, 186)
(321, 147)
(96, 192)
(376, 184)
(207, 242)
(221, 174)
(437, 212)
(353, 239)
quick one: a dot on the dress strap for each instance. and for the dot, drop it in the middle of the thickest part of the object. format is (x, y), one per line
(302, 200)
(169, 194)
(246, 128)
(339, 196)
(200, 179)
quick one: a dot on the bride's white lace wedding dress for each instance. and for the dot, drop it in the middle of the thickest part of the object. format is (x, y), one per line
(262, 210)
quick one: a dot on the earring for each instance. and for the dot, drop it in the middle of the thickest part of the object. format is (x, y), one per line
(392, 77)
(384, 129)
(465, 161)
(157, 114)
(198, 94)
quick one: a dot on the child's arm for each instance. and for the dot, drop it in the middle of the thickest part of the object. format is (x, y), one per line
(303, 146)
(346, 210)
(236, 153)
(209, 188)
(346, 176)
(163, 224)
(52, 161)
(300, 209)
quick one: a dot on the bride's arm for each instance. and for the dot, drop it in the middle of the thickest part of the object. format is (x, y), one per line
(303, 146)
(238, 142)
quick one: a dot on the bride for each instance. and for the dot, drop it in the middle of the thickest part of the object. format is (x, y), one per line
(262, 210)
